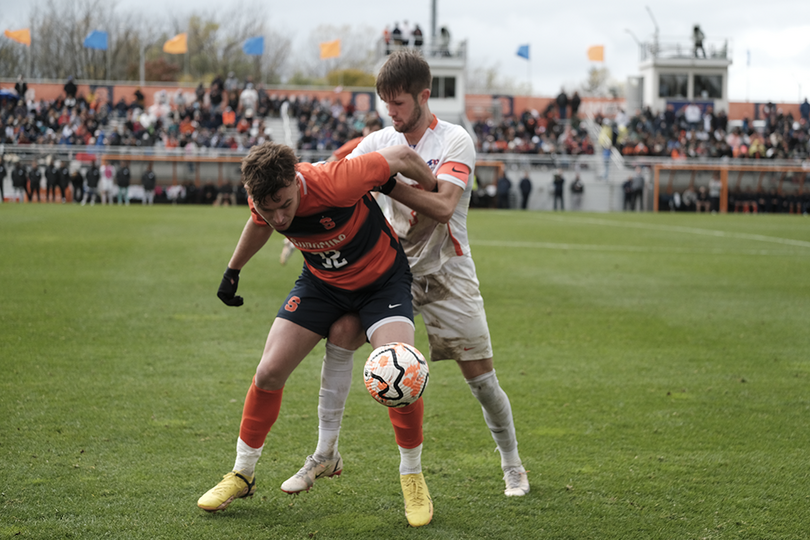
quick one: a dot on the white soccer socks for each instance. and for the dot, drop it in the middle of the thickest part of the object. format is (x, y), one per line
(246, 458)
(498, 416)
(336, 381)
(410, 460)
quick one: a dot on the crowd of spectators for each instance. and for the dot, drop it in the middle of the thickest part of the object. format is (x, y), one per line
(328, 124)
(532, 133)
(694, 132)
(403, 36)
(232, 114)
(228, 114)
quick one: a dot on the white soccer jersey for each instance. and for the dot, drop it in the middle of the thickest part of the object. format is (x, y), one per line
(428, 243)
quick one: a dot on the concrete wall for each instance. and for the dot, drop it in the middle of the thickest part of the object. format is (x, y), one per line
(599, 195)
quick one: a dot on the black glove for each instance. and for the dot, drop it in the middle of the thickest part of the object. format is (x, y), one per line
(227, 289)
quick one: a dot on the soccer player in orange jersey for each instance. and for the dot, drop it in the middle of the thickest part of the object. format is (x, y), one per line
(372, 125)
(354, 262)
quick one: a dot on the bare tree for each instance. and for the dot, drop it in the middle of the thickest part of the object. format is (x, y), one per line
(13, 58)
(599, 83)
(59, 29)
(216, 48)
(356, 50)
(276, 57)
(488, 80)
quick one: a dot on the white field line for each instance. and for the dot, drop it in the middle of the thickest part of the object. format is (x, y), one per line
(653, 249)
(631, 249)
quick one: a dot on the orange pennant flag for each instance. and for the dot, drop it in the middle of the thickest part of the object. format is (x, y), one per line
(596, 53)
(330, 49)
(20, 36)
(177, 45)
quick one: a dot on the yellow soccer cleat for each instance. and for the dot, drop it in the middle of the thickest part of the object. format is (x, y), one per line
(233, 486)
(418, 504)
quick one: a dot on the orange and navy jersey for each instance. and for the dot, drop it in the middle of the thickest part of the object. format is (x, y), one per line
(339, 228)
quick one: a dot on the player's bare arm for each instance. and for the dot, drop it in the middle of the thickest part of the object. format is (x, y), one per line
(404, 160)
(439, 205)
(253, 238)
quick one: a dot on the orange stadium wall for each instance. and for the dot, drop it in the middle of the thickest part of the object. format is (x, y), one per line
(478, 106)
(363, 100)
(753, 111)
(484, 106)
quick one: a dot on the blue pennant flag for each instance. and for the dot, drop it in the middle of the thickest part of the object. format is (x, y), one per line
(96, 40)
(523, 51)
(254, 46)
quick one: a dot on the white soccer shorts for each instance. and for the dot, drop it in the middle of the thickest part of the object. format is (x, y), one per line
(453, 310)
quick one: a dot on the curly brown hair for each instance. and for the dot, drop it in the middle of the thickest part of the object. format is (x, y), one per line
(268, 168)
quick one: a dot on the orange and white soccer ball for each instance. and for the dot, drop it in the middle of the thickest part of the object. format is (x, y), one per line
(396, 374)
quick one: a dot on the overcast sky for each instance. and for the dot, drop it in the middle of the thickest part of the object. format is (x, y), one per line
(777, 33)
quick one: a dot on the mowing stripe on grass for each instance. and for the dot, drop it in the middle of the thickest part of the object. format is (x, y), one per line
(676, 228)
(633, 249)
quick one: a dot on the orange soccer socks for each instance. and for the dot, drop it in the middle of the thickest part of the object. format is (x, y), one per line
(258, 416)
(407, 422)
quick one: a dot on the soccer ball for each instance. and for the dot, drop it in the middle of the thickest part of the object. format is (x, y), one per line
(396, 374)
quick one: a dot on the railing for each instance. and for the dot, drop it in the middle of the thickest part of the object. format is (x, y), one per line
(75, 152)
(430, 49)
(716, 49)
(29, 152)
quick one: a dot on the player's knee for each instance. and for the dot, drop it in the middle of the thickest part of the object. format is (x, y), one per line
(472, 369)
(347, 332)
(268, 378)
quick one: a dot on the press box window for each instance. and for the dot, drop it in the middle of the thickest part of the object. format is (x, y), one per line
(673, 85)
(443, 87)
(708, 86)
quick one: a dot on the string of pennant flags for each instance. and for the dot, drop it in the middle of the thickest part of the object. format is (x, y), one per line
(98, 39)
(253, 46)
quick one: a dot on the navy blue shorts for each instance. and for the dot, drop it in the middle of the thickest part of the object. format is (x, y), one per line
(316, 305)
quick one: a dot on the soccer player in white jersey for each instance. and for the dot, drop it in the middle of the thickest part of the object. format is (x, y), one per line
(432, 227)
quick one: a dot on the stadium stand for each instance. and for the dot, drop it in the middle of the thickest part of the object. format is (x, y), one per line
(190, 124)
(179, 119)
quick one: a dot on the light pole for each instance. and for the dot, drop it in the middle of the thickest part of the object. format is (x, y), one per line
(638, 43)
(142, 64)
(655, 35)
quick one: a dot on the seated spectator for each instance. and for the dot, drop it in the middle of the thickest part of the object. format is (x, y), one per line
(229, 117)
(226, 195)
(702, 204)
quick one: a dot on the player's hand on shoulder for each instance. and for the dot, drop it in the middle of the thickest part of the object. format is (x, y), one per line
(227, 288)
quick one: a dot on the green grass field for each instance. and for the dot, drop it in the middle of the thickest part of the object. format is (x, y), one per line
(658, 368)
